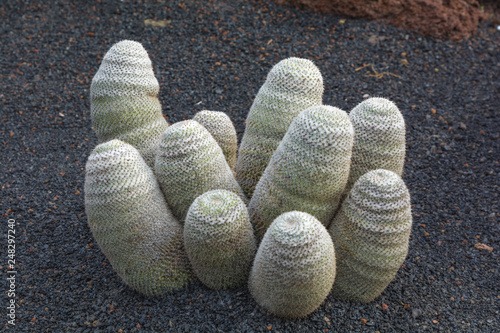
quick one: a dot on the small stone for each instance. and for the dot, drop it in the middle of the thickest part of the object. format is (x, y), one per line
(373, 39)
(481, 246)
(462, 126)
(415, 313)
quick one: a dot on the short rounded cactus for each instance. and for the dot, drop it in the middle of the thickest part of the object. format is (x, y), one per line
(222, 129)
(292, 85)
(124, 99)
(371, 235)
(189, 163)
(379, 140)
(131, 222)
(309, 170)
(294, 268)
(219, 239)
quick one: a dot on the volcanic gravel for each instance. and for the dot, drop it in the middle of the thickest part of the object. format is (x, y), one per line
(215, 55)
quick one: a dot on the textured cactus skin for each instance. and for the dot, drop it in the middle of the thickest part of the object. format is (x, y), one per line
(294, 268)
(222, 129)
(308, 171)
(379, 140)
(291, 86)
(219, 239)
(189, 163)
(131, 222)
(124, 102)
(371, 235)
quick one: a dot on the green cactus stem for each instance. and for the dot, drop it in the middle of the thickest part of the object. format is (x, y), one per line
(291, 86)
(219, 239)
(124, 101)
(190, 163)
(294, 268)
(371, 235)
(131, 221)
(222, 129)
(379, 140)
(308, 171)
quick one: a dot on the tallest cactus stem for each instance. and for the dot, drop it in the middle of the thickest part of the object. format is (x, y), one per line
(292, 86)
(124, 100)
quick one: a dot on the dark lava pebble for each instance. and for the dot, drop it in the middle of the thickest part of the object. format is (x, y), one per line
(215, 55)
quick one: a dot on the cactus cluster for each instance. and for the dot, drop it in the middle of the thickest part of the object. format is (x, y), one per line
(328, 212)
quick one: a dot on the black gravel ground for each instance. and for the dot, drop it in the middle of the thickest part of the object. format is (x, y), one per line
(215, 55)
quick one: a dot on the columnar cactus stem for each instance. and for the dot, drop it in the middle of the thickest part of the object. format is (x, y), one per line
(294, 268)
(222, 129)
(379, 140)
(131, 222)
(291, 86)
(371, 235)
(124, 103)
(309, 170)
(190, 163)
(219, 239)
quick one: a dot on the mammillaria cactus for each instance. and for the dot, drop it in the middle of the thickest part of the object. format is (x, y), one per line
(131, 222)
(219, 239)
(222, 129)
(189, 163)
(124, 102)
(293, 85)
(309, 170)
(380, 138)
(371, 235)
(294, 268)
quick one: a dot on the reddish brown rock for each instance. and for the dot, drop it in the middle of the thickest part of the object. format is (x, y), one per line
(443, 19)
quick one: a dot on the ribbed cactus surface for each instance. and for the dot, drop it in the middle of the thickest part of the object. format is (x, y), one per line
(380, 138)
(131, 222)
(190, 163)
(222, 129)
(294, 268)
(124, 102)
(308, 171)
(219, 239)
(371, 235)
(292, 85)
